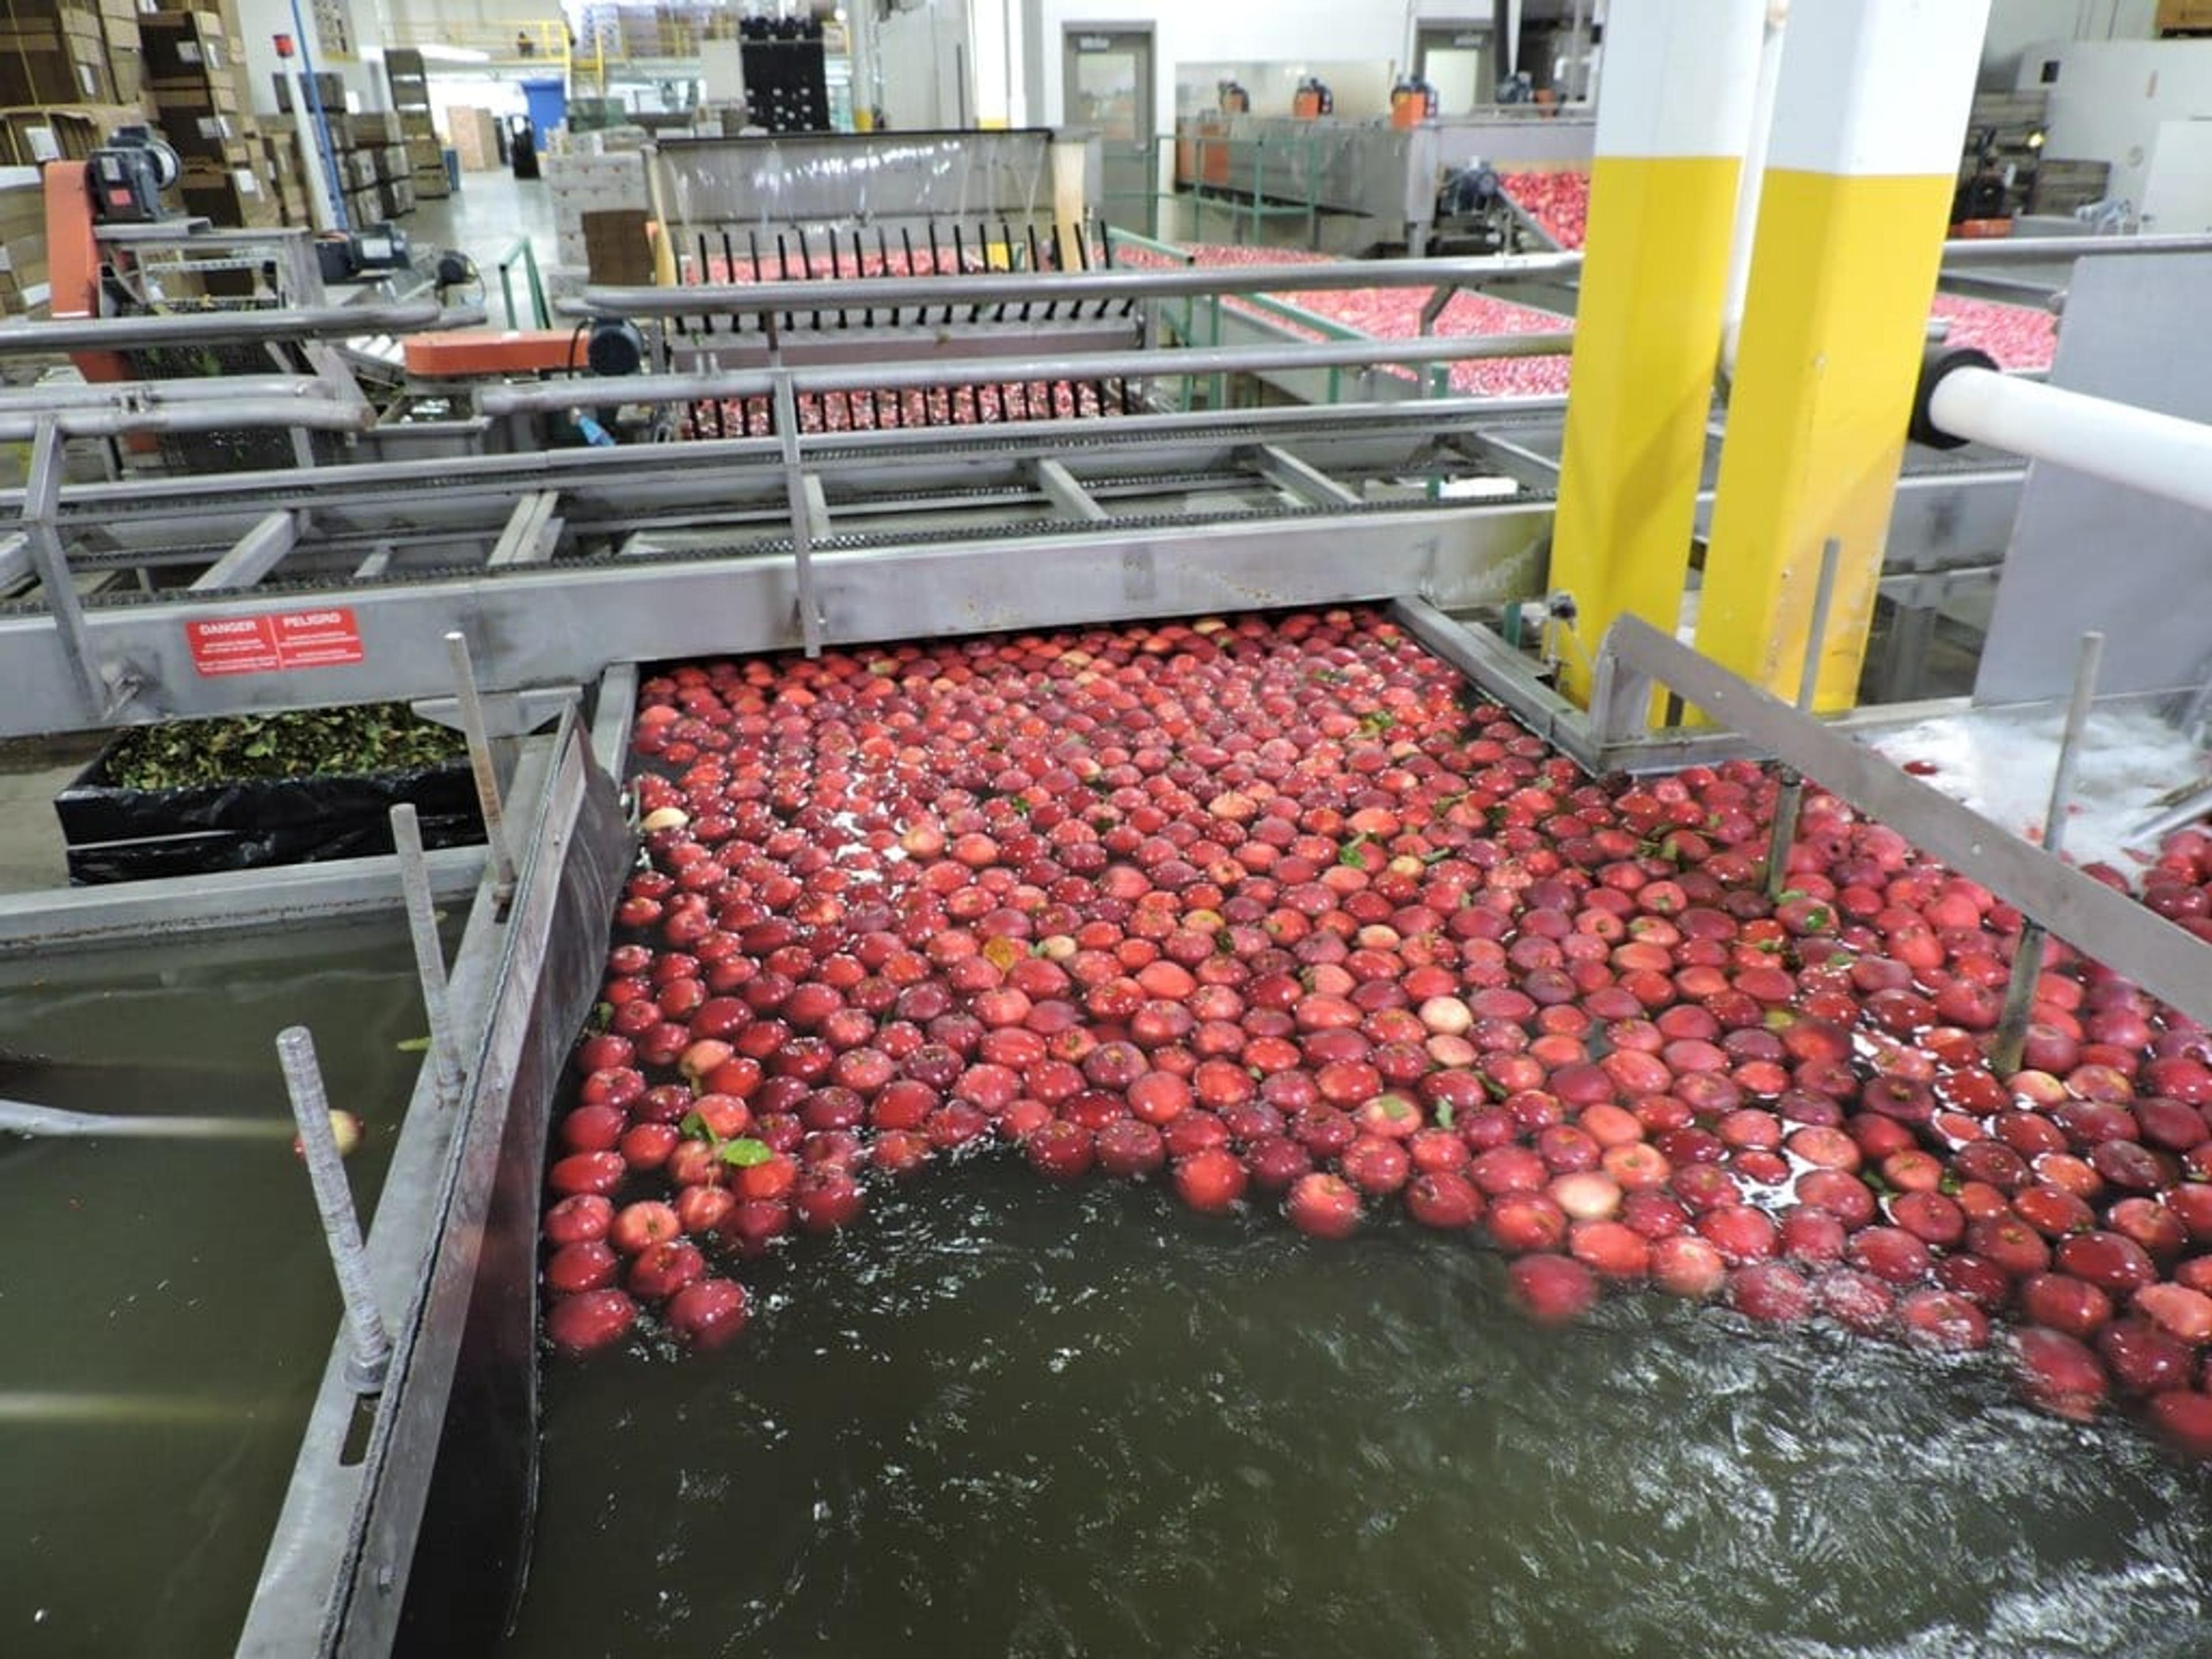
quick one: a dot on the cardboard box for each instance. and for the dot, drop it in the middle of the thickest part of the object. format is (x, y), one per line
(374, 128)
(476, 138)
(126, 49)
(48, 57)
(227, 196)
(616, 246)
(67, 132)
(211, 133)
(185, 45)
(329, 92)
(22, 248)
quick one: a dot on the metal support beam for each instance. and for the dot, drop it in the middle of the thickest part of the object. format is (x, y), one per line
(1299, 480)
(1870, 101)
(255, 554)
(1669, 147)
(2109, 926)
(563, 622)
(1062, 489)
(802, 540)
(818, 508)
(41, 496)
(532, 531)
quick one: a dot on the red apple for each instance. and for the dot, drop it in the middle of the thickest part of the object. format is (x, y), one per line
(587, 1323)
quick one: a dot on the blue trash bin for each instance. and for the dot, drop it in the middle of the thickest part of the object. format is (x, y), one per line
(547, 102)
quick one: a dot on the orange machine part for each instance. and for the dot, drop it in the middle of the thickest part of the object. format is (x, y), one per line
(461, 354)
(73, 268)
(72, 250)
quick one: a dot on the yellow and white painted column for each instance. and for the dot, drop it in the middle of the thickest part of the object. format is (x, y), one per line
(1871, 112)
(1679, 77)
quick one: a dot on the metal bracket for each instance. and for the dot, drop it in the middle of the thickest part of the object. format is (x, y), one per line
(802, 539)
(506, 714)
(2106, 925)
(255, 554)
(1064, 492)
(41, 499)
(532, 530)
(1300, 480)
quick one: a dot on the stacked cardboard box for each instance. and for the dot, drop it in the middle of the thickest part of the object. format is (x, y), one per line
(118, 33)
(194, 73)
(22, 249)
(67, 132)
(53, 52)
(410, 101)
(373, 166)
(590, 184)
(288, 177)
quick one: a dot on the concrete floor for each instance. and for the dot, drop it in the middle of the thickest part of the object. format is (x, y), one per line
(32, 771)
(484, 219)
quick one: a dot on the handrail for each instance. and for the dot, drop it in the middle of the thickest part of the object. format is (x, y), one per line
(524, 251)
(231, 327)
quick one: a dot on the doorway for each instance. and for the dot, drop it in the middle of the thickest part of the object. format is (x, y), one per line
(1459, 61)
(1106, 89)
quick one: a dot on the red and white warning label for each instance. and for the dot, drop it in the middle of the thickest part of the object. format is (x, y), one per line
(269, 644)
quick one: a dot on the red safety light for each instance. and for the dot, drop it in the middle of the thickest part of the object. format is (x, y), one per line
(283, 45)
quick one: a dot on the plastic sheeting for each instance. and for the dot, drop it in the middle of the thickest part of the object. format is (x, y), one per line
(114, 834)
(816, 183)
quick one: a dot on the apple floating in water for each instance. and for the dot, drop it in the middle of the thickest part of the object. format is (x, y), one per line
(1255, 904)
(346, 1129)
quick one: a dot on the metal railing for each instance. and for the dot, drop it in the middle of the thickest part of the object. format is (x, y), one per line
(533, 43)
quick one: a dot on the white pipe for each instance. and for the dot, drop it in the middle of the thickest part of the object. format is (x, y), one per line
(1746, 230)
(2161, 454)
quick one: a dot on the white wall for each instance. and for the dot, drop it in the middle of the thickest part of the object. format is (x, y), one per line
(1228, 31)
(2111, 97)
(2016, 25)
(921, 52)
(262, 21)
(2177, 195)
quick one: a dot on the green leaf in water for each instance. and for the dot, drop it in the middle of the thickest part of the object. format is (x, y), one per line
(695, 1127)
(1443, 1115)
(745, 1153)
